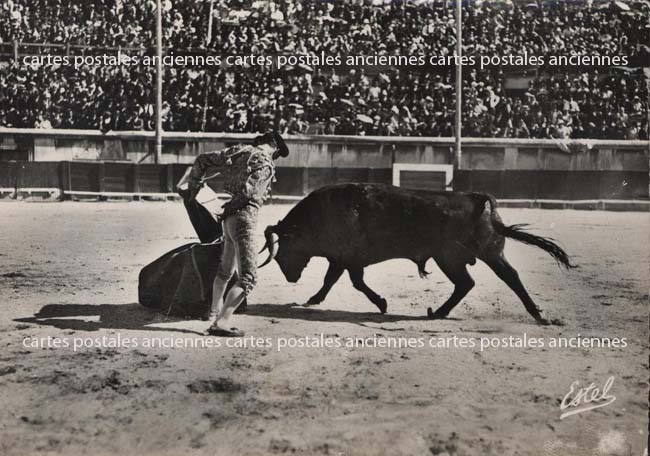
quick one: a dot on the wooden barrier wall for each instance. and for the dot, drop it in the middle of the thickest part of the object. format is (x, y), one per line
(106, 177)
(509, 168)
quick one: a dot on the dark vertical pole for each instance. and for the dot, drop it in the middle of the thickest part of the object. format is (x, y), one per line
(459, 81)
(208, 38)
(204, 120)
(159, 79)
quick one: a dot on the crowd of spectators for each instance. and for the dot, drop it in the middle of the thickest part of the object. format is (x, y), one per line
(346, 26)
(564, 105)
(388, 101)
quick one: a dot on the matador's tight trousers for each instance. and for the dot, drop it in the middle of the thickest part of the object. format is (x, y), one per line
(239, 254)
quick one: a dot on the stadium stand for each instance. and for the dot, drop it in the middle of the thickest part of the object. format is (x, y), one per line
(534, 101)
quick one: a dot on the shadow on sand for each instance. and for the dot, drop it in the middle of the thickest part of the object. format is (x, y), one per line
(111, 316)
(311, 313)
(83, 317)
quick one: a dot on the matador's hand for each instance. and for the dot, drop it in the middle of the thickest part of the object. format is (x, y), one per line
(189, 194)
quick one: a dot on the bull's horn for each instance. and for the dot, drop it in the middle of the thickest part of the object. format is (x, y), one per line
(268, 239)
(271, 243)
(266, 246)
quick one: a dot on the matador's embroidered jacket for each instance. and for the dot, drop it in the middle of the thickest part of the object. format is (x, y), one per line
(247, 171)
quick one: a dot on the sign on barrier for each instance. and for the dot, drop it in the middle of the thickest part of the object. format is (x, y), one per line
(422, 176)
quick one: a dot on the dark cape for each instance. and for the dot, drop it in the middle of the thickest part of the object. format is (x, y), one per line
(179, 283)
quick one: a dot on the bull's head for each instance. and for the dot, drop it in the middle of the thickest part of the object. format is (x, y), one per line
(286, 248)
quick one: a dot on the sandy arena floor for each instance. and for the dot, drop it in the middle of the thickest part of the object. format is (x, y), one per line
(69, 271)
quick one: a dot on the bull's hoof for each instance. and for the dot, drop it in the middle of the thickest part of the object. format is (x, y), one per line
(314, 301)
(383, 305)
(437, 315)
(542, 321)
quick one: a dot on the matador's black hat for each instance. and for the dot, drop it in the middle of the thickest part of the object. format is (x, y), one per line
(275, 138)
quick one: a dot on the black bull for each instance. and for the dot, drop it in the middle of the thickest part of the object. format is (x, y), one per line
(356, 225)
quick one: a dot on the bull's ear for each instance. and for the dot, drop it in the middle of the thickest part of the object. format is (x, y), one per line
(280, 229)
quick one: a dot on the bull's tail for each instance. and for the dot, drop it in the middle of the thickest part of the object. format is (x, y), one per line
(518, 232)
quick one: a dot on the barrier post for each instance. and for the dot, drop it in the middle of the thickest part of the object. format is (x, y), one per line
(136, 178)
(65, 179)
(305, 180)
(101, 174)
(169, 181)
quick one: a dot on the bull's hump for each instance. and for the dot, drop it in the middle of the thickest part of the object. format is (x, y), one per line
(347, 203)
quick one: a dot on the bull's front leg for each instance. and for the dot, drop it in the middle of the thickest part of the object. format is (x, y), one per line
(356, 275)
(332, 275)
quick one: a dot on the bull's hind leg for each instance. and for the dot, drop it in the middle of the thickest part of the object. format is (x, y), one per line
(456, 271)
(356, 275)
(509, 275)
(333, 274)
